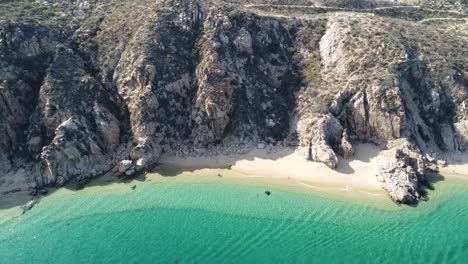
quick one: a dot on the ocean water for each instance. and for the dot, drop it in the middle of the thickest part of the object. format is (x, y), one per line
(219, 220)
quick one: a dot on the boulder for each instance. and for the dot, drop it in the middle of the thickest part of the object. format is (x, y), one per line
(244, 41)
(401, 172)
(124, 165)
(321, 152)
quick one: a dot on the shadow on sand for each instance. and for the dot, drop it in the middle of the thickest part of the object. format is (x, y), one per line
(169, 168)
(19, 195)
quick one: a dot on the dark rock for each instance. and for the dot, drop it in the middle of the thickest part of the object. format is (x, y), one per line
(11, 191)
(182, 76)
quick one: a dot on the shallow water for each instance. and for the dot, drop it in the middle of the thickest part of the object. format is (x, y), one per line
(188, 220)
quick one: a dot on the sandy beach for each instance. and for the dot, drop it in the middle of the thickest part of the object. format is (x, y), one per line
(358, 174)
(286, 166)
(282, 166)
(457, 166)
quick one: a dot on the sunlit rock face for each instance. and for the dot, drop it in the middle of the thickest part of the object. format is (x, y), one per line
(103, 92)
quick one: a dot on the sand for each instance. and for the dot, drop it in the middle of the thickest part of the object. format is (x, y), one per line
(457, 166)
(356, 175)
(288, 167)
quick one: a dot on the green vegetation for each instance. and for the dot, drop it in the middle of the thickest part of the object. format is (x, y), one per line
(90, 22)
(56, 14)
(233, 14)
(312, 68)
(311, 65)
(296, 58)
(326, 98)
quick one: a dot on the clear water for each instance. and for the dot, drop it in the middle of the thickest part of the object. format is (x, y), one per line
(222, 221)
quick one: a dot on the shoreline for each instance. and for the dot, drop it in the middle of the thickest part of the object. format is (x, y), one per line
(358, 174)
(457, 166)
(286, 167)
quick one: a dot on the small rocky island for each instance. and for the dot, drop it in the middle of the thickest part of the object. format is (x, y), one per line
(95, 87)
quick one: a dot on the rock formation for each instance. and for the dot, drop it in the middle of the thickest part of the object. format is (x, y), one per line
(104, 91)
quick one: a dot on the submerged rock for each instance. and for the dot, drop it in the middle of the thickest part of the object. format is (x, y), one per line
(29, 205)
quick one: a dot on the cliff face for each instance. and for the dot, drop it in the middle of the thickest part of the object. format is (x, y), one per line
(134, 79)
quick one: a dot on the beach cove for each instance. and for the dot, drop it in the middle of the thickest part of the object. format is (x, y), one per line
(227, 215)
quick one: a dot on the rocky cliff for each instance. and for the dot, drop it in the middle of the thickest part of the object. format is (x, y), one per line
(90, 87)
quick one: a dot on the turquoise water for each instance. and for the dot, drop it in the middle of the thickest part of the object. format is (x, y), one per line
(222, 221)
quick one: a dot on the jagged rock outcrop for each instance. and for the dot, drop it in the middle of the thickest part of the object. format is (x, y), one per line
(383, 102)
(74, 127)
(23, 59)
(114, 92)
(401, 172)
